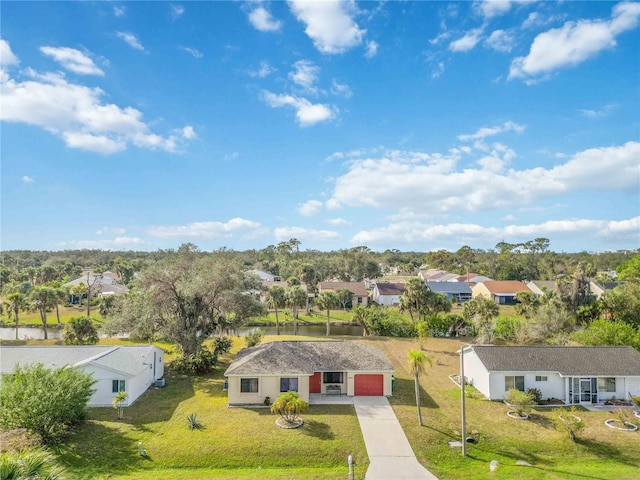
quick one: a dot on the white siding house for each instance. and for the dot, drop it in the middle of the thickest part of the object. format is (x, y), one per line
(132, 369)
(388, 293)
(575, 375)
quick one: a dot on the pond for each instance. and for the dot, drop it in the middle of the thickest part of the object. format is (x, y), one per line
(30, 333)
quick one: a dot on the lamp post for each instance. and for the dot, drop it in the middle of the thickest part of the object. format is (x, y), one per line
(462, 405)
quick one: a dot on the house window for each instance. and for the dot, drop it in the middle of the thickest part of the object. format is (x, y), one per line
(511, 381)
(288, 384)
(117, 386)
(332, 377)
(607, 384)
(541, 378)
(248, 385)
(359, 299)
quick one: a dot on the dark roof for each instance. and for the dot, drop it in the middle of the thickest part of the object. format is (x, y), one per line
(391, 288)
(568, 361)
(307, 357)
(357, 288)
(449, 287)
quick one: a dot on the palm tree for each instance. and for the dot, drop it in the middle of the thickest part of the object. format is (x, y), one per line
(33, 464)
(527, 304)
(289, 405)
(417, 362)
(327, 301)
(296, 298)
(16, 302)
(275, 300)
(414, 297)
(42, 299)
(118, 403)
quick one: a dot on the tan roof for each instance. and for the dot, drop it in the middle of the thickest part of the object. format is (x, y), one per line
(357, 288)
(506, 286)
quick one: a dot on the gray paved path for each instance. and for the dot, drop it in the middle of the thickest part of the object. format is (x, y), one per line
(390, 455)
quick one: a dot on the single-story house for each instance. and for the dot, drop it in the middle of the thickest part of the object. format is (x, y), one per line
(436, 275)
(101, 285)
(265, 276)
(472, 279)
(461, 292)
(130, 369)
(502, 292)
(599, 289)
(574, 375)
(388, 293)
(542, 287)
(307, 367)
(359, 290)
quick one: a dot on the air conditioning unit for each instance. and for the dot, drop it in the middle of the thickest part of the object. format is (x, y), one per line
(160, 383)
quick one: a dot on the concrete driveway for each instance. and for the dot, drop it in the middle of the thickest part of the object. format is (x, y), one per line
(390, 454)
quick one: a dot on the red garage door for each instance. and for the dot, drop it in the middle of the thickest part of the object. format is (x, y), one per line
(369, 385)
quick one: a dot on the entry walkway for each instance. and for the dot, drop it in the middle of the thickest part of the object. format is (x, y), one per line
(390, 454)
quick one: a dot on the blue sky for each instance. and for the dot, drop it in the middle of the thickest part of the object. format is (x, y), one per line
(403, 125)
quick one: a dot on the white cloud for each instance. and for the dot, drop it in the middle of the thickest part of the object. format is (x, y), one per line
(309, 208)
(193, 51)
(7, 58)
(188, 132)
(574, 42)
(341, 89)
(492, 8)
(131, 40)
(262, 20)
(603, 112)
(329, 24)
(508, 218)
(305, 234)
(469, 233)
(397, 180)
(307, 113)
(305, 74)
(27, 179)
(263, 71)
(490, 131)
(112, 230)
(119, 11)
(438, 70)
(500, 40)
(467, 42)
(117, 243)
(372, 49)
(76, 114)
(205, 229)
(338, 221)
(73, 60)
(177, 11)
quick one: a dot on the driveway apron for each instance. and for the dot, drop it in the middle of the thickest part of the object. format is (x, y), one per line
(390, 455)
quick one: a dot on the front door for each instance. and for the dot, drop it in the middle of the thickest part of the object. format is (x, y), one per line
(585, 390)
(314, 383)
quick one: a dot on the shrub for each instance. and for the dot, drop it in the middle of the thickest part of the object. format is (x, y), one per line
(535, 394)
(202, 362)
(45, 402)
(254, 337)
(289, 405)
(222, 345)
(30, 465)
(80, 331)
(193, 423)
(520, 401)
(568, 422)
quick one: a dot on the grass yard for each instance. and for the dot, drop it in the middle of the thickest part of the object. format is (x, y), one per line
(66, 313)
(317, 317)
(600, 453)
(234, 443)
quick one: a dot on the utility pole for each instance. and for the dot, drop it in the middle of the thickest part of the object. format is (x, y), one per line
(462, 405)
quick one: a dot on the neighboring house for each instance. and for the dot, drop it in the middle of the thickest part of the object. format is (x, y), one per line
(435, 275)
(502, 292)
(542, 287)
(101, 285)
(572, 374)
(131, 369)
(599, 289)
(359, 290)
(322, 367)
(472, 279)
(265, 276)
(461, 292)
(388, 293)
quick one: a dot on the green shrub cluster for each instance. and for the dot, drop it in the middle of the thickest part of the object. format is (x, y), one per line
(202, 362)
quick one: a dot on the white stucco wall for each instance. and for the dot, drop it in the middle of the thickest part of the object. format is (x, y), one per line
(633, 386)
(268, 386)
(388, 300)
(476, 373)
(554, 387)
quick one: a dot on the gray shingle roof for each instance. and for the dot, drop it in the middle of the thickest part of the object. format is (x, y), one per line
(391, 288)
(125, 359)
(307, 357)
(568, 361)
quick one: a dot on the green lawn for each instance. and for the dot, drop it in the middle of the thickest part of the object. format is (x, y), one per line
(339, 316)
(235, 443)
(33, 317)
(601, 452)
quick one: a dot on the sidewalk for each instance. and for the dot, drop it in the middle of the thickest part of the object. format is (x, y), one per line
(390, 454)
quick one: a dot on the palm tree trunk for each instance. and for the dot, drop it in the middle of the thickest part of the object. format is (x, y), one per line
(277, 323)
(295, 320)
(43, 317)
(328, 324)
(417, 386)
(57, 313)
(16, 315)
